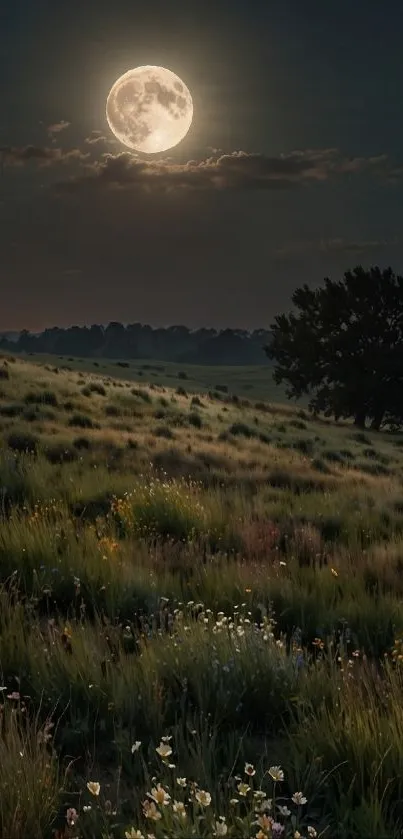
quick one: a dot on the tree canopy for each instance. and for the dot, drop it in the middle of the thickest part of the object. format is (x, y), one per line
(344, 347)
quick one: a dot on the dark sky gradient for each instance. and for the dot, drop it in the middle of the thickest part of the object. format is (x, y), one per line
(268, 77)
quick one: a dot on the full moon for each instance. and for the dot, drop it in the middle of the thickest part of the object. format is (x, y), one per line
(149, 109)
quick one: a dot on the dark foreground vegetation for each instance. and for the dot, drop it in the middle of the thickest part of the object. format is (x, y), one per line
(213, 655)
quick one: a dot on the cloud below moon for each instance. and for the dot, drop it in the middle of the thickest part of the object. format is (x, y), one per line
(149, 109)
(237, 170)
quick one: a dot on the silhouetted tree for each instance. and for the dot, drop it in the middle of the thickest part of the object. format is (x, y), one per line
(345, 347)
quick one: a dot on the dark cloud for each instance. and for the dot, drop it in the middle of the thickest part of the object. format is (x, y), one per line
(238, 170)
(332, 246)
(43, 156)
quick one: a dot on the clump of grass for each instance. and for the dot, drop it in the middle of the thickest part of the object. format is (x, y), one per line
(195, 402)
(30, 779)
(141, 394)
(161, 508)
(95, 387)
(4, 373)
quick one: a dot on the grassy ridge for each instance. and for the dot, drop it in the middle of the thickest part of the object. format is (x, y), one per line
(222, 572)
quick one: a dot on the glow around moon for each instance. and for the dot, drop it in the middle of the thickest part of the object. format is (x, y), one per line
(149, 109)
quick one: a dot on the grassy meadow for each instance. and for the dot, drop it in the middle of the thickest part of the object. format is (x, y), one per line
(201, 619)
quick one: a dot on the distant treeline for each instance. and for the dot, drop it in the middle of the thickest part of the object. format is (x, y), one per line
(136, 340)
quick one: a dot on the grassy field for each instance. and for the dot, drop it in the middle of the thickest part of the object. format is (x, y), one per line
(201, 619)
(253, 382)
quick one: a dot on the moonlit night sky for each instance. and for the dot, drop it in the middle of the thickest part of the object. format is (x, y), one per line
(291, 171)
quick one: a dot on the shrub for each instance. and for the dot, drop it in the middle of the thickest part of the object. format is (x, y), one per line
(182, 375)
(60, 453)
(82, 443)
(195, 420)
(240, 429)
(81, 421)
(298, 424)
(164, 431)
(4, 374)
(360, 437)
(23, 442)
(46, 397)
(11, 410)
(333, 456)
(180, 391)
(196, 402)
(222, 388)
(112, 411)
(122, 364)
(304, 446)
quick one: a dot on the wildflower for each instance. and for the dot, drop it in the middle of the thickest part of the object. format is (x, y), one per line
(243, 789)
(297, 835)
(136, 746)
(93, 787)
(71, 816)
(233, 801)
(284, 811)
(261, 835)
(160, 796)
(250, 770)
(14, 695)
(265, 822)
(299, 798)
(163, 750)
(181, 782)
(150, 811)
(276, 773)
(221, 829)
(203, 797)
(334, 572)
(312, 832)
(276, 830)
(133, 834)
(179, 808)
(166, 739)
(87, 808)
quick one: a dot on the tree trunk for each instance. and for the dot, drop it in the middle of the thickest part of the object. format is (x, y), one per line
(359, 419)
(377, 420)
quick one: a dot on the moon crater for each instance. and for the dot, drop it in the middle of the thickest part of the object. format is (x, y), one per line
(149, 109)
